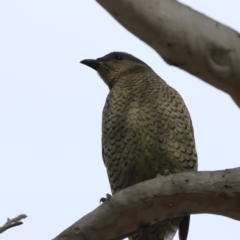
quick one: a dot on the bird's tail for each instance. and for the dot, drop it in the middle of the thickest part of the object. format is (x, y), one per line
(183, 228)
(164, 230)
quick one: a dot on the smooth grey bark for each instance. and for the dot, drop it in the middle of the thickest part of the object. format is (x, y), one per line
(214, 192)
(12, 222)
(184, 38)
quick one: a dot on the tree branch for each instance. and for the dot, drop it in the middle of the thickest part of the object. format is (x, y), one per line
(12, 222)
(184, 38)
(215, 192)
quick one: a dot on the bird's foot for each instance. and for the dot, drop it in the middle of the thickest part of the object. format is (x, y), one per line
(104, 199)
(176, 171)
(166, 172)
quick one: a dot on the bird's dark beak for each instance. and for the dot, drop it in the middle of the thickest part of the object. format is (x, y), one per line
(95, 64)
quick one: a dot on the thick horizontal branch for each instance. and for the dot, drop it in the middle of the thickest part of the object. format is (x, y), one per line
(184, 38)
(12, 222)
(158, 199)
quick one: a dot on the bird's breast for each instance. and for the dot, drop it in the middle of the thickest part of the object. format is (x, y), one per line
(144, 133)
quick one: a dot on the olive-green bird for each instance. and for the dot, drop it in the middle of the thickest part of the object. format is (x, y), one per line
(146, 129)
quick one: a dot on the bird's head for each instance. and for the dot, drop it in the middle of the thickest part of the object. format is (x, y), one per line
(115, 65)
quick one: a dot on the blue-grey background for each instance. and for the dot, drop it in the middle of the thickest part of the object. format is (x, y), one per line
(50, 113)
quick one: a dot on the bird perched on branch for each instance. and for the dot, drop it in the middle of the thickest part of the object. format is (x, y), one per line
(146, 130)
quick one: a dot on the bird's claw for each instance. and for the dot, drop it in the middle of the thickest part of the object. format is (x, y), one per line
(104, 199)
(166, 172)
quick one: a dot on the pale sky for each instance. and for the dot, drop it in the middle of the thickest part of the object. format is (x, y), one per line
(51, 106)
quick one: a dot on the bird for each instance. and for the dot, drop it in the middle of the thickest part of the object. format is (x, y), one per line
(146, 131)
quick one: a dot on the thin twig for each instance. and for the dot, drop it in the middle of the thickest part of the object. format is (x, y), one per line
(12, 222)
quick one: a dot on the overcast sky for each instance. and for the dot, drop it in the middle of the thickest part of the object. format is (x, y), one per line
(51, 106)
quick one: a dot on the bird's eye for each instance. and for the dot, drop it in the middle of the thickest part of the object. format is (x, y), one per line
(118, 57)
